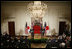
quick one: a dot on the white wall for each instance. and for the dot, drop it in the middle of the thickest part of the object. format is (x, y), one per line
(53, 14)
(19, 11)
(21, 18)
(4, 26)
(51, 18)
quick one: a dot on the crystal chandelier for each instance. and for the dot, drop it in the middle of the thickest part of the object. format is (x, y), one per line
(37, 8)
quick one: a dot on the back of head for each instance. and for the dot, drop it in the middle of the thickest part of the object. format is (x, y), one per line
(62, 45)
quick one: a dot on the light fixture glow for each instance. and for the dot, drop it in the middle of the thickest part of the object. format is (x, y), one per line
(37, 9)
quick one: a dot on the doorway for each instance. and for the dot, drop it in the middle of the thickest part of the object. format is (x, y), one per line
(11, 28)
(61, 27)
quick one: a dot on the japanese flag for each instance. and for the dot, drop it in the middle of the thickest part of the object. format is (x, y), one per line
(28, 29)
(47, 30)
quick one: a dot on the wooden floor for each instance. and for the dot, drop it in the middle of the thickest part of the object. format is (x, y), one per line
(38, 45)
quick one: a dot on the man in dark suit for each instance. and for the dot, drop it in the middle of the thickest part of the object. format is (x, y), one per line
(42, 32)
(32, 33)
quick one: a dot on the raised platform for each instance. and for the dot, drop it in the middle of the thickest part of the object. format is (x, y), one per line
(39, 37)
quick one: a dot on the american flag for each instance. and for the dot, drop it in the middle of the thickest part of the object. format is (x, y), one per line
(45, 27)
(26, 30)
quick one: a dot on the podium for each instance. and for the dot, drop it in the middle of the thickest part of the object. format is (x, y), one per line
(37, 36)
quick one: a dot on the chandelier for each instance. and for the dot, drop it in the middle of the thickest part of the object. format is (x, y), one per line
(37, 8)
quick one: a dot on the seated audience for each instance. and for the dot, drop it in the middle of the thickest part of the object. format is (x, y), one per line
(7, 41)
(13, 42)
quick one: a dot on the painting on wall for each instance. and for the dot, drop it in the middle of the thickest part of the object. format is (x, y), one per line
(36, 21)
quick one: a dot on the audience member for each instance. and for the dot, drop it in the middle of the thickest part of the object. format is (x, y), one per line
(32, 33)
(62, 45)
(68, 41)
